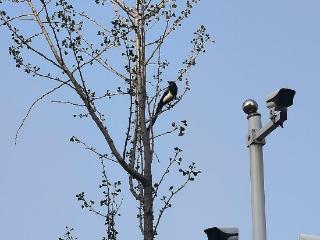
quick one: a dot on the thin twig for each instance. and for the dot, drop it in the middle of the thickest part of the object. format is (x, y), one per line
(31, 107)
(67, 102)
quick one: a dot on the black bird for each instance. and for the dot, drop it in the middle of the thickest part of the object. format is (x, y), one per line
(170, 94)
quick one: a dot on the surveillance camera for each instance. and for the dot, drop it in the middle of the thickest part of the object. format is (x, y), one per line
(222, 233)
(280, 99)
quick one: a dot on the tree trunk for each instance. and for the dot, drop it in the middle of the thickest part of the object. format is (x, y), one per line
(142, 98)
(148, 212)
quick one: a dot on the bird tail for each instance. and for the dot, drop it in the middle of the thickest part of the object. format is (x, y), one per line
(154, 118)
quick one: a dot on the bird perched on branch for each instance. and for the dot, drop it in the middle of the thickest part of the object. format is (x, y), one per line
(169, 94)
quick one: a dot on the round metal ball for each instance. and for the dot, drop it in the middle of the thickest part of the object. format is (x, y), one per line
(250, 106)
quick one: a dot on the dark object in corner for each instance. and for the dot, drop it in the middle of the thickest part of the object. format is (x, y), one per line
(222, 233)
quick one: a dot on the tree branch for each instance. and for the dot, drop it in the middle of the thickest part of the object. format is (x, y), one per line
(124, 7)
(103, 129)
(31, 107)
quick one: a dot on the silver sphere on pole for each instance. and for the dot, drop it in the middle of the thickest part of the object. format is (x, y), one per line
(250, 106)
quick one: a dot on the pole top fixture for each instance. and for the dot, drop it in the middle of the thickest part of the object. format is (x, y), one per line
(250, 106)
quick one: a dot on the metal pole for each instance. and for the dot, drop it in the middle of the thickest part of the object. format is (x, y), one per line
(256, 171)
(277, 102)
(257, 182)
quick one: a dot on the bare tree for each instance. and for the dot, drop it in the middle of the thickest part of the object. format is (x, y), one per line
(61, 36)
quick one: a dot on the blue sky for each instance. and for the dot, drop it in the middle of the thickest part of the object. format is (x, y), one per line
(260, 47)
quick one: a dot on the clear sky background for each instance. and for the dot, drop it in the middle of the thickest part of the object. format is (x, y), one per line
(260, 46)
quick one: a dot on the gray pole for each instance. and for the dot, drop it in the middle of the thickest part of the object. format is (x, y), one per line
(256, 171)
(277, 102)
